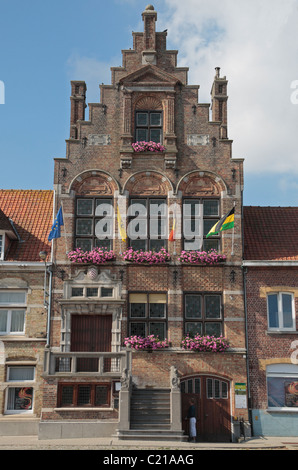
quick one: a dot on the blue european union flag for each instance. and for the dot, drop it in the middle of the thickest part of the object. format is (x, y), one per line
(58, 222)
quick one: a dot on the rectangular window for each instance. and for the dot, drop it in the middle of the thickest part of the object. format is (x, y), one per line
(282, 386)
(281, 311)
(203, 314)
(199, 216)
(19, 399)
(148, 314)
(147, 227)
(12, 316)
(94, 223)
(149, 126)
(87, 395)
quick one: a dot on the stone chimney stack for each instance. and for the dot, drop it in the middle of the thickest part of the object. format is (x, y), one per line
(149, 51)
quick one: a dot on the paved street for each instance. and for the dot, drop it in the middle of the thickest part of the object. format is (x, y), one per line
(113, 444)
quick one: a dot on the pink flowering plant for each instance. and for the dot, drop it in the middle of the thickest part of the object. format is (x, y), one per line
(143, 146)
(150, 257)
(95, 256)
(210, 257)
(148, 342)
(207, 343)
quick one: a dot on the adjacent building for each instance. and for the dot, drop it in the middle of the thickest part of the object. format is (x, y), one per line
(271, 279)
(25, 261)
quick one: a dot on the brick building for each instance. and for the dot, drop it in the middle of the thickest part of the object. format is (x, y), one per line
(25, 221)
(93, 384)
(271, 279)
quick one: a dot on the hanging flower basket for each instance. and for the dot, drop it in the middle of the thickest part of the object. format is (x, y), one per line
(149, 257)
(149, 343)
(95, 256)
(211, 257)
(148, 147)
(205, 344)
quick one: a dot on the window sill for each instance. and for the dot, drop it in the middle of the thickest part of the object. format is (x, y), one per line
(83, 408)
(282, 410)
(281, 332)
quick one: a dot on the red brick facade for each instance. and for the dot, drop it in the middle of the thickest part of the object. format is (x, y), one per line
(196, 164)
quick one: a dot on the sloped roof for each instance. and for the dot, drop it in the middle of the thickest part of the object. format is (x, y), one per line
(270, 233)
(31, 212)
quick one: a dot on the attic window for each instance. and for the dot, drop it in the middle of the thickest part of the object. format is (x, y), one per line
(149, 126)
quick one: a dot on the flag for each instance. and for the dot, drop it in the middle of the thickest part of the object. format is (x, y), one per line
(172, 234)
(58, 222)
(225, 223)
(121, 227)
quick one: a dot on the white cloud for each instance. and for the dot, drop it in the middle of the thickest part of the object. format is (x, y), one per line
(92, 71)
(256, 45)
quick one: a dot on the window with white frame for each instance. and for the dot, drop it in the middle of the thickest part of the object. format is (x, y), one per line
(19, 394)
(281, 311)
(12, 312)
(282, 386)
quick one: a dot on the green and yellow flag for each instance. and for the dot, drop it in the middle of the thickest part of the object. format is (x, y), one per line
(121, 226)
(226, 223)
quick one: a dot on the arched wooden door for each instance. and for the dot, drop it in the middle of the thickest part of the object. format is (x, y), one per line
(212, 400)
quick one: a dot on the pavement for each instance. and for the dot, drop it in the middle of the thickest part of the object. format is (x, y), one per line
(116, 446)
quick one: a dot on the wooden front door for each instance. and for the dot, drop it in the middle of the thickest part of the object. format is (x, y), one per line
(212, 401)
(90, 333)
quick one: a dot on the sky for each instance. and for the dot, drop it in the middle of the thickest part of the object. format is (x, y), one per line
(45, 45)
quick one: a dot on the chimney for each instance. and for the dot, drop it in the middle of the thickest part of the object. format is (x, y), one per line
(78, 105)
(220, 103)
(149, 51)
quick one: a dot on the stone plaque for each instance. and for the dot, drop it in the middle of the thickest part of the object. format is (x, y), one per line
(196, 139)
(99, 139)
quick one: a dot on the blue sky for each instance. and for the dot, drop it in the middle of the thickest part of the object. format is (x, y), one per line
(44, 45)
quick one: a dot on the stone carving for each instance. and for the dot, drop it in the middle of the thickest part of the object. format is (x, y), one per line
(175, 380)
(99, 139)
(200, 186)
(196, 139)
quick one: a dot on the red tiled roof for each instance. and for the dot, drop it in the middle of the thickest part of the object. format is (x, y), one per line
(270, 233)
(31, 212)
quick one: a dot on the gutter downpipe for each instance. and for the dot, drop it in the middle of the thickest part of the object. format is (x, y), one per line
(244, 271)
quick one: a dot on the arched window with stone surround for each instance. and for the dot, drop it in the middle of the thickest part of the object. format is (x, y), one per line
(148, 120)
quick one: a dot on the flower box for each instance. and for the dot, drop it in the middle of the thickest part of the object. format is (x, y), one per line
(148, 147)
(211, 257)
(95, 256)
(205, 344)
(151, 342)
(149, 257)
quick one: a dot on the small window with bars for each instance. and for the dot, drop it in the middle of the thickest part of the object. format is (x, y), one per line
(84, 395)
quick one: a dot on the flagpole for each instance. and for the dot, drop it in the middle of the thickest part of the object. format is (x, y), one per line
(64, 229)
(233, 235)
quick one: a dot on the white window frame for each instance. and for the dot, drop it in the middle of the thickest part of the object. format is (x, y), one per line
(10, 307)
(280, 312)
(13, 384)
(285, 371)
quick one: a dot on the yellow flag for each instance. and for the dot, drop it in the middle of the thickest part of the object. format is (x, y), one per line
(121, 227)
